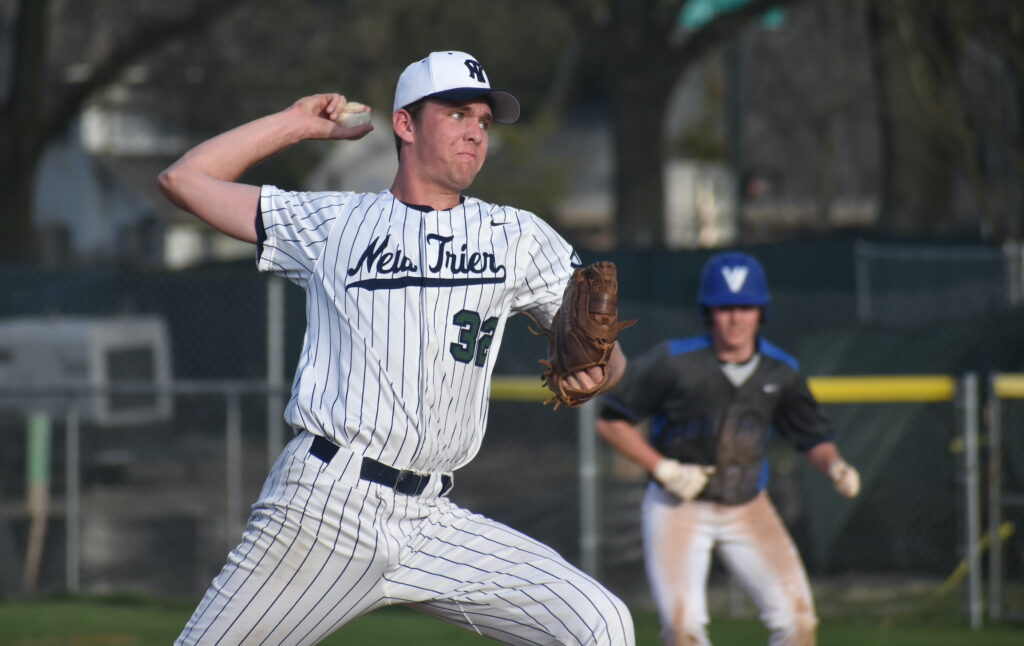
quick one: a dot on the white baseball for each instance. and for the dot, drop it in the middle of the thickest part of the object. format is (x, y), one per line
(353, 115)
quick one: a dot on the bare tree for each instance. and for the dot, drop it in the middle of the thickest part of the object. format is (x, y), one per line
(950, 77)
(811, 120)
(643, 55)
(206, 67)
(39, 100)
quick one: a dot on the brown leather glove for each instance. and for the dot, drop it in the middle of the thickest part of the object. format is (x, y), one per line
(583, 331)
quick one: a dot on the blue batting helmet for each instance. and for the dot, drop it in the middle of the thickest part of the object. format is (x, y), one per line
(733, 278)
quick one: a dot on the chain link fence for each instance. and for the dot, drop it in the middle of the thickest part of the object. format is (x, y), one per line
(1005, 498)
(161, 501)
(915, 284)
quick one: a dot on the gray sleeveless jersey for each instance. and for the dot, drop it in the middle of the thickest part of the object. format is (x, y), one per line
(699, 416)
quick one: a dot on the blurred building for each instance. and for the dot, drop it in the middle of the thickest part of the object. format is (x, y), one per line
(700, 204)
(365, 165)
(96, 194)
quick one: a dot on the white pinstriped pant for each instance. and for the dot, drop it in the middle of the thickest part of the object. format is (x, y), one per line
(323, 547)
(753, 543)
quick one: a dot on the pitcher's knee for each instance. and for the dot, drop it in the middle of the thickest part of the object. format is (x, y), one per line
(610, 624)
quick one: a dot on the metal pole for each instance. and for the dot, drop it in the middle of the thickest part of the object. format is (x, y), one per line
(72, 498)
(590, 535)
(1012, 267)
(736, 596)
(39, 447)
(233, 468)
(275, 367)
(863, 281)
(995, 502)
(734, 117)
(973, 499)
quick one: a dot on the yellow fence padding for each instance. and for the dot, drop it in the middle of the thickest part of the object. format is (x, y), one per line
(828, 390)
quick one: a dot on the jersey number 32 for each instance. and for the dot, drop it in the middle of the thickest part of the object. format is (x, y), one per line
(474, 337)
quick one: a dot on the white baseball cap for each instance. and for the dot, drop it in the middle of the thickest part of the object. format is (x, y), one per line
(453, 76)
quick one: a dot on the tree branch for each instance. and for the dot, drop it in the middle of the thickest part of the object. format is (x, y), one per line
(24, 95)
(719, 28)
(668, 13)
(585, 15)
(143, 42)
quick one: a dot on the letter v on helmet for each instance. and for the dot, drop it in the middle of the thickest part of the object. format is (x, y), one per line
(734, 277)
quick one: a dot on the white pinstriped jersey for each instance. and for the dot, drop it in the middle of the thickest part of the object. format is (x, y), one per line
(406, 310)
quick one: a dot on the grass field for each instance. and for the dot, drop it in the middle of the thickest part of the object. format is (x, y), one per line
(130, 621)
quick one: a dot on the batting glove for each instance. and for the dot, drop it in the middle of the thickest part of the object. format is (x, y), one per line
(845, 478)
(684, 480)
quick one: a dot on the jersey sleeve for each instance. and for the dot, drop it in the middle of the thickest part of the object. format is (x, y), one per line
(548, 263)
(800, 419)
(643, 389)
(295, 226)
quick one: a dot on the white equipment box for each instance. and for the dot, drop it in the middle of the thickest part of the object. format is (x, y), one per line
(94, 353)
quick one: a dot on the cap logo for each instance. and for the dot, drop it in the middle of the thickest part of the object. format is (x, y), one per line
(735, 277)
(476, 70)
(454, 76)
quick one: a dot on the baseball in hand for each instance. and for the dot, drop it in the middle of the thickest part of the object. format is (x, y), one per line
(353, 115)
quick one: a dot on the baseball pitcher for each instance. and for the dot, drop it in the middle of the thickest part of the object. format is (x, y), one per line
(407, 295)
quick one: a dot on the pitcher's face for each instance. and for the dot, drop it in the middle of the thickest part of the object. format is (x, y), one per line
(450, 142)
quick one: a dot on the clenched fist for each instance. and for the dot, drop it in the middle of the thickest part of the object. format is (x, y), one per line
(684, 480)
(845, 478)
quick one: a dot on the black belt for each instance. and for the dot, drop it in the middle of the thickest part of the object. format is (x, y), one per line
(408, 482)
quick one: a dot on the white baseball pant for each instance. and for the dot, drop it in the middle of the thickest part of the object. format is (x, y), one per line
(752, 542)
(323, 547)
